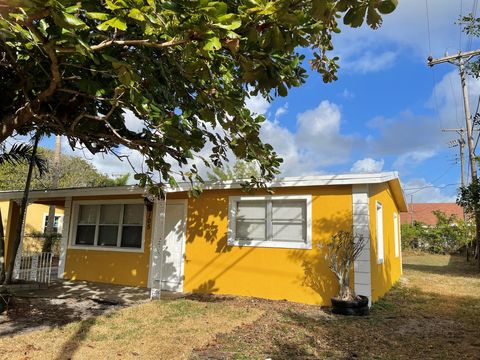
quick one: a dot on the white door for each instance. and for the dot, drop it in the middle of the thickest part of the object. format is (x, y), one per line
(174, 248)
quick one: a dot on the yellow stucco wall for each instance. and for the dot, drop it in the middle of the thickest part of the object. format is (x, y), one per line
(118, 267)
(386, 274)
(296, 275)
(34, 222)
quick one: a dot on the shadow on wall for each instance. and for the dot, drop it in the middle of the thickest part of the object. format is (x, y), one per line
(204, 218)
(316, 273)
(208, 222)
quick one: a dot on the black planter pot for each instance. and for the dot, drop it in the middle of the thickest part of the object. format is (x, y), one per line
(350, 307)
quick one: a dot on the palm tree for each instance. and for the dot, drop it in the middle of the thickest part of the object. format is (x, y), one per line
(18, 153)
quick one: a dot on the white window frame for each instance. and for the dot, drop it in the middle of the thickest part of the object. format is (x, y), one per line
(379, 232)
(60, 222)
(232, 215)
(95, 247)
(396, 234)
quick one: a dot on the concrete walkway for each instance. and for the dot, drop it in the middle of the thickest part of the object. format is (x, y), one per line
(116, 294)
(67, 301)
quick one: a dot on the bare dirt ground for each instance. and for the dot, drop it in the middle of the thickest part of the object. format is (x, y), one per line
(433, 313)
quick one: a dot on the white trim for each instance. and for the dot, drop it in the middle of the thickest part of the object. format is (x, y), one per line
(65, 234)
(361, 227)
(171, 286)
(95, 247)
(156, 246)
(379, 232)
(396, 232)
(317, 180)
(232, 214)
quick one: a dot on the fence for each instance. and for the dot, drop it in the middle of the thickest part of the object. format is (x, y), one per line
(34, 266)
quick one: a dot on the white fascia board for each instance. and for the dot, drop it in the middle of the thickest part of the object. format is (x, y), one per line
(75, 192)
(302, 181)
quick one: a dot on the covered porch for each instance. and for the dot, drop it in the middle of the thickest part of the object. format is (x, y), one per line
(109, 235)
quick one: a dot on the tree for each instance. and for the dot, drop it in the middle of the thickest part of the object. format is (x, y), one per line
(447, 236)
(18, 154)
(241, 170)
(72, 171)
(183, 68)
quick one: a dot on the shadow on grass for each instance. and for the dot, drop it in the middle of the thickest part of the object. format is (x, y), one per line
(409, 322)
(456, 266)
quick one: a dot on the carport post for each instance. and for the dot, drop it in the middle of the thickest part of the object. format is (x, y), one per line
(158, 240)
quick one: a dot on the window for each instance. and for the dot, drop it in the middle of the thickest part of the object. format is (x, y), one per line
(57, 224)
(379, 232)
(270, 221)
(395, 234)
(109, 225)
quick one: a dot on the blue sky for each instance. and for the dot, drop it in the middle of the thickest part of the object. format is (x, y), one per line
(384, 113)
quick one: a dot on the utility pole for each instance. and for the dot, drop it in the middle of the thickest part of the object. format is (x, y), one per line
(458, 60)
(460, 142)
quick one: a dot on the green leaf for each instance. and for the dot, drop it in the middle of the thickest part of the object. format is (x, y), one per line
(115, 5)
(374, 20)
(97, 15)
(387, 6)
(318, 9)
(354, 17)
(282, 90)
(72, 9)
(136, 14)
(229, 22)
(115, 22)
(68, 21)
(213, 44)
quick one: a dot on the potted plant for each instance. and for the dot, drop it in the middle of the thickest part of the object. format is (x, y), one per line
(341, 254)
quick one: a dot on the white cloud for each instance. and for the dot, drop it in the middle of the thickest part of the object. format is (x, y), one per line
(133, 123)
(370, 61)
(282, 110)
(257, 104)
(405, 31)
(347, 94)
(421, 191)
(413, 158)
(367, 165)
(316, 142)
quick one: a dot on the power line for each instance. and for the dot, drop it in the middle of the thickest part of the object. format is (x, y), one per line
(429, 187)
(455, 101)
(428, 29)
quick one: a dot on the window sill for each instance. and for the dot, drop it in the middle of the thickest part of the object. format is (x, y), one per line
(106, 248)
(270, 244)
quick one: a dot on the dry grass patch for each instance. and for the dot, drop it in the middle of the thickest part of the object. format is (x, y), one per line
(432, 314)
(156, 330)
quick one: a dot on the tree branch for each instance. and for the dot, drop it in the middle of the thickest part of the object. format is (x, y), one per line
(139, 42)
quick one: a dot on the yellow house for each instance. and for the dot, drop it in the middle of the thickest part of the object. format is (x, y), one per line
(227, 241)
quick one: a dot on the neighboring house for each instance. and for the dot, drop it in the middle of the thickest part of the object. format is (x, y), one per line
(36, 223)
(229, 242)
(424, 212)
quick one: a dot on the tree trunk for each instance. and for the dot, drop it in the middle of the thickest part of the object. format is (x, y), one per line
(49, 233)
(23, 210)
(2, 250)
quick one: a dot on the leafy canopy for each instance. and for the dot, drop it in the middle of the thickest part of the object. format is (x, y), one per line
(184, 68)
